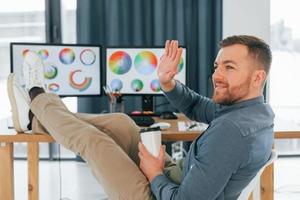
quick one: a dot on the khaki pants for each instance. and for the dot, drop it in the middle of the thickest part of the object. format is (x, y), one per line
(108, 143)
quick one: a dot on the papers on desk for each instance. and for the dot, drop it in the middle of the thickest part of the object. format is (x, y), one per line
(10, 124)
(10, 132)
(6, 127)
(191, 126)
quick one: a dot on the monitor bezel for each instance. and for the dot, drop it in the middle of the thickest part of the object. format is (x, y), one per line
(65, 44)
(139, 47)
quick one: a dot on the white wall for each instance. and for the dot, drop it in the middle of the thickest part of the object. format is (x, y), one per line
(250, 17)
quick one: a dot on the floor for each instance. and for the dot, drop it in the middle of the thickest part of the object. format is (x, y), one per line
(287, 178)
(78, 183)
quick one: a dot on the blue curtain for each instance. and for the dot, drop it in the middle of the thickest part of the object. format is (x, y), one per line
(197, 24)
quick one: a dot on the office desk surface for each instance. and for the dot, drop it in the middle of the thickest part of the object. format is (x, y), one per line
(172, 133)
(283, 130)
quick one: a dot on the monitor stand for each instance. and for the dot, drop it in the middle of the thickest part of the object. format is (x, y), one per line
(147, 103)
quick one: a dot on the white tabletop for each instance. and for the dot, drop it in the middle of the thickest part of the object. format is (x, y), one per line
(281, 124)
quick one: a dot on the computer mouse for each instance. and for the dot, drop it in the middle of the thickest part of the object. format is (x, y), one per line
(168, 115)
(161, 125)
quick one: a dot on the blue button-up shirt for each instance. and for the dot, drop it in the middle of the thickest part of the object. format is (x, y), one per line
(229, 153)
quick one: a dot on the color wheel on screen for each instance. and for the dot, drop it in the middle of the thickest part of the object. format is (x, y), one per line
(67, 56)
(155, 86)
(87, 57)
(137, 85)
(81, 86)
(145, 62)
(116, 85)
(53, 87)
(180, 65)
(25, 51)
(120, 62)
(50, 70)
(43, 53)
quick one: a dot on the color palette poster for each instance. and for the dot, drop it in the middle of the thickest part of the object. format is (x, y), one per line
(134, 70)
(68, 70)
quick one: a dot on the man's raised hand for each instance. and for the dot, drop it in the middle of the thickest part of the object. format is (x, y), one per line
(168, 65)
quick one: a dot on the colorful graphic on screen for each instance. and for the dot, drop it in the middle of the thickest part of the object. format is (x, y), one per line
(50, 71)
(87, 57)
(67, 56)
(145, 62)
(43, 53)
(53, 87)
(25, 52)
(180, 65)
(137, 85)
(116, 85)
(120, 62)
(85, 84)
(155, 86)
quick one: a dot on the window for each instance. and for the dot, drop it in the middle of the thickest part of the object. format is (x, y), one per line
(68, 26)
(68, 20)
(284, 75)
(26, 23)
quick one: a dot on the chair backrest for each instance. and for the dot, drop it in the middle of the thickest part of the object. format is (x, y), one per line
(249, 188)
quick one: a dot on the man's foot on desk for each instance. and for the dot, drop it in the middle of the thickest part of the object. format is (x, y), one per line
(19, 101)
(33, 71)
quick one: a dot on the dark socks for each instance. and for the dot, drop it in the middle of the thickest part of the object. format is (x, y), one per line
(33, 92)
(30, 116)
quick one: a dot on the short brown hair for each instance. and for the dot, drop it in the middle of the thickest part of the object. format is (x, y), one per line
(258, 48)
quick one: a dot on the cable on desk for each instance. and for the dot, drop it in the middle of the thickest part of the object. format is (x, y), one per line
(60, 177)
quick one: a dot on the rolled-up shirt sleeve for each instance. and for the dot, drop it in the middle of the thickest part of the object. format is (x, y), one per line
(190, 103)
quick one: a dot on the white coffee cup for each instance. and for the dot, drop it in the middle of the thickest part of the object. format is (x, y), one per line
(152, 141)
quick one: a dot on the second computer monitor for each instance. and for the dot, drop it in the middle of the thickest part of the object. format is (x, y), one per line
(69, 69)
(134, 70)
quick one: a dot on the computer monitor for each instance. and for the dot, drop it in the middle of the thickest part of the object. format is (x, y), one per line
(69, 69)
(133, 71)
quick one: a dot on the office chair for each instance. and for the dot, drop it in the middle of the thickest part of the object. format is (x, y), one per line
(249, 188)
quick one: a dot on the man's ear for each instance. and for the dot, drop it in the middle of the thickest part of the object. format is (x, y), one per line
(259, 77)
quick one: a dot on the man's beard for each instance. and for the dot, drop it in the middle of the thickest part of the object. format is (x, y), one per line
(232, 95)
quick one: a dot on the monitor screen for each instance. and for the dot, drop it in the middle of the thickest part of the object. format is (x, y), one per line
(69, 70)
(134, 70)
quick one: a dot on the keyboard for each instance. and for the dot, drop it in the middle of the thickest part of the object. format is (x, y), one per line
(142, 120)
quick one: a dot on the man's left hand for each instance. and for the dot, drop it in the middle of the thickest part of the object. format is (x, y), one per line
(150, 165)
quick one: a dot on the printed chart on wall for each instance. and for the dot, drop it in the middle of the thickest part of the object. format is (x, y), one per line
(69, 70)
(134, 70)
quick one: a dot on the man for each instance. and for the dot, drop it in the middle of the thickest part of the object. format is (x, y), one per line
(220, 163)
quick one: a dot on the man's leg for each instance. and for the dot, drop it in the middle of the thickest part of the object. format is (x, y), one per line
(117, 173)
(120, 128)
(127, 137)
